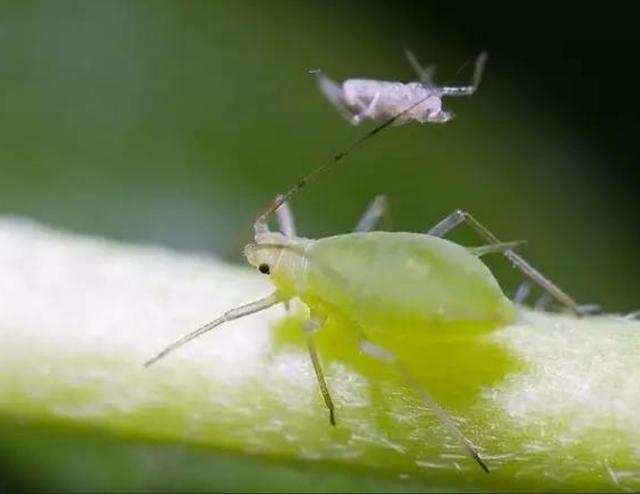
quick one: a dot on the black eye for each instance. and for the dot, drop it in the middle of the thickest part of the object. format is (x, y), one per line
(264, 268)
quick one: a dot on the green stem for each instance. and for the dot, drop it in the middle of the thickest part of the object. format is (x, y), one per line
(551, 402)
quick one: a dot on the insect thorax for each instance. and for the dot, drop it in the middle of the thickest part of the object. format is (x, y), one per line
(391, 98)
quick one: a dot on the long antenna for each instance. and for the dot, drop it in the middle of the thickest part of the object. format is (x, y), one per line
(282, 198)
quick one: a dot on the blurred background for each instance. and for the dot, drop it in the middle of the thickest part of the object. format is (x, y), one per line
(173, 123)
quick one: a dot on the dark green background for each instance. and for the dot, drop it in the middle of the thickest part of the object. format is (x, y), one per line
(174, 122)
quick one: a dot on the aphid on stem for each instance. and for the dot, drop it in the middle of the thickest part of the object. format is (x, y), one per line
(359, 100)
(375, 281)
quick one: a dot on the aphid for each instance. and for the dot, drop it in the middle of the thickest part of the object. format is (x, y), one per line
(368, 99)
(355, 277)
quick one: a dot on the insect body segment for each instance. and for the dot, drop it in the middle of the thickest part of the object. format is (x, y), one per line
(368, 99)
(400, 279)
(378, 100)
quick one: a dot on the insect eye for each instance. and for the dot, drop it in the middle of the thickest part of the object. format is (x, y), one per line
(264, 268)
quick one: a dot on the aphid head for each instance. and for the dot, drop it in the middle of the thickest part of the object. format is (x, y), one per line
(278, 257)
(266, 252)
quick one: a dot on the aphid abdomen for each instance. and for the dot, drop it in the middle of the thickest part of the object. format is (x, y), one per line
(395, 279)
(390, 98)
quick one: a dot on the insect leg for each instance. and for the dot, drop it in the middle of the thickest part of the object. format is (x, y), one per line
(632, 315)
(521, 293)
(287, 225)
(499, 248)
(547, 285)
(333, 92)
(425, 74)
(309, 328)
(377, 352)
(230, 315)
(286, 222)
(590, 308)
(475, 80)
(368, 112)
(379, 208)
(542, 302)
(284, 217)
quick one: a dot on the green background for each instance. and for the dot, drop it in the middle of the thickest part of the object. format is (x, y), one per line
(175, 122)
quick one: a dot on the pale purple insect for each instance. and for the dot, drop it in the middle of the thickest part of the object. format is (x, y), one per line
(359, 100)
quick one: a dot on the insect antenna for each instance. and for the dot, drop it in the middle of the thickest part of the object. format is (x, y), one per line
(250, 308)
(260, 222)
(230, 315)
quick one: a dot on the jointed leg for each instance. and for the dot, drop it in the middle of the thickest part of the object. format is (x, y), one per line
(542, 302)
(333, 92)
(286, 224)
(521, 293)
(309, 328)
(285, 219)
(632, 315)
(374, 101)
(378, 208)
(475, 80)
(459, 217)
(425, 75)
(384, 355)
(367, 112)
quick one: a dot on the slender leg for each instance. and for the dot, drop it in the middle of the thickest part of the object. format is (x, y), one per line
(285, 218)
(521, 293)
(475, 80)
(230, 315)
(425, 74)
(287, 225)
(309, 328)
(377, 352)
(499, 248)
(459, 217)
(333, 92)
(632, 315)
(524, 289)
(378, 208)
(442, 116)
(543, 302)
(585, 309)
(590, 309)
(367, 112)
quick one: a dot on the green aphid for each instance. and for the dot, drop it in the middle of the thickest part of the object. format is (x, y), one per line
(377, 282)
